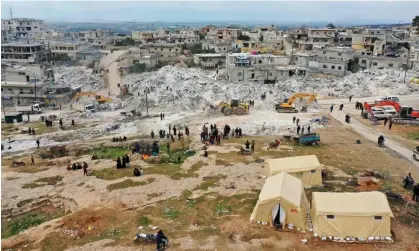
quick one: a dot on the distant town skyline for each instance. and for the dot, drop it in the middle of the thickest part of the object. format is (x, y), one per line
(288, 12)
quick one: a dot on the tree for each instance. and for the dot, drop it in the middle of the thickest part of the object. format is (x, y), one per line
(415, 21)
(201, 36)
(261, 38)
(330, 26)
(243, 37)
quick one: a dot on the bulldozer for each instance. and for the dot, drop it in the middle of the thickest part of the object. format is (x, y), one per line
(289, 107)
(234, 107)
(99, 98)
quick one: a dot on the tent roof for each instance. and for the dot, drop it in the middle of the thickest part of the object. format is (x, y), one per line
(294, 164)
(282, 186)
(352, 204)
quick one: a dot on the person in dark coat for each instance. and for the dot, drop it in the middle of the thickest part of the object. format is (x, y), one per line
(331, 108)
(61, 123)
(385, 121)
(297, 121)
(160, 239)
(152, 134)
(124, 138)
(240, 133)
(293, 119)
(390, 124)
(118, 163)
(308, 129)
(247, 144)
(72, 122)
(127, 160)
(174, 130)
(124, 164)
(298, 129)
(37, 142)
(253, 146)
(416, 193)
(30, 131)
(136, 172)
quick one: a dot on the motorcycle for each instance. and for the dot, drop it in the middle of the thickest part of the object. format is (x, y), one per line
(152, 238)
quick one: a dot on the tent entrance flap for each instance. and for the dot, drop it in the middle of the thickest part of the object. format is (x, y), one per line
(278, 215)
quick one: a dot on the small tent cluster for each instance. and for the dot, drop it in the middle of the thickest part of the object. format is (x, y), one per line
(338, 216)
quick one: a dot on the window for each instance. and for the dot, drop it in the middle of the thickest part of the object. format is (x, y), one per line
(313, 171)
(375, 63)
(390, 65)
(270, 74)
(325, 66)
(339, 67)
(378, 217)
(10, 90)
(161, 49)
(21, 73)
(260, 61)
(1, 89)
(339, 54)
(330, 217)
(363, 61)
(324, 52)
(239, 74)
(170, 49)
(333, 67)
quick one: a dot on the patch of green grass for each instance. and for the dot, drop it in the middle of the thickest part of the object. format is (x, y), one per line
(51, 179)
(190, 173)
(113, 173)
(163, 169)
(144, 221)
(175, 156)
(413, 135)
(110, 152)
(15, 225)
(210, 181)
(43, 182)
(128, 183)
(171, 213)
(33, 185)
(186, 194)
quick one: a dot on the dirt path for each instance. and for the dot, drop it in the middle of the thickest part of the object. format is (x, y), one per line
(373, 135)
(110, 63)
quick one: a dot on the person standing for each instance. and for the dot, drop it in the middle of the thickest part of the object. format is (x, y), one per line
(32, 160)
(390, 124)
(168, 147)
(253, 146)
(308, 129)
(174, 130)
(331, 108)
(61, 123)
(85, 169)
(72, 122)
(152, 134)
(385, 121)
(247, 144)
(298, 129)
(302, 130)
(350, 98)
(37, 142)
(293, 120)
(297, 121)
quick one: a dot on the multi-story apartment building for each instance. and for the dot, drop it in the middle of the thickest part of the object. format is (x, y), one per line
(22, 28)
(254, 68)
(23, 53)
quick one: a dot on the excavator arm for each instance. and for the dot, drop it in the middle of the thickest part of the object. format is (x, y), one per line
(294, 97)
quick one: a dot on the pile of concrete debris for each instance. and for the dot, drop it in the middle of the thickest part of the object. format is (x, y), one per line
(79, 76)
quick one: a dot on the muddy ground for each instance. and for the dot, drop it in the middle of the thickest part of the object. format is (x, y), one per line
(200, 203)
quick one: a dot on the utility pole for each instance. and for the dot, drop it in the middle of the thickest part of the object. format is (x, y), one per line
(35, 88)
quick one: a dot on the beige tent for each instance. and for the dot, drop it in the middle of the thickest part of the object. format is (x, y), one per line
(307, 168)
(282, 197)
(365, 214)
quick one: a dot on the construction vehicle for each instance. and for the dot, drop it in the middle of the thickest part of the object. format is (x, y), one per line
(405, 114)
(84, 108)
(234, 107)
(99, 98)
(289, 107)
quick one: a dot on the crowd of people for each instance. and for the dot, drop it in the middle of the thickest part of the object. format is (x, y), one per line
(120, 139)
(78, 166)
(122, 162)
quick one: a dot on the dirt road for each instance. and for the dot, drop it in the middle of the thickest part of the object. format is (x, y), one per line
(370, 133)
(110, 63)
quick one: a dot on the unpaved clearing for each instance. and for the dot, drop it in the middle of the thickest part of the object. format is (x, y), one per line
(200, 203)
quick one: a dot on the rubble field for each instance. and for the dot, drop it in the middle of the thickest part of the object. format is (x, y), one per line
(200, 203)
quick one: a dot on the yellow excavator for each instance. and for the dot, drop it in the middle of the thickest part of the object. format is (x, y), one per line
(99, 98)
(234, 107)
(289, 107)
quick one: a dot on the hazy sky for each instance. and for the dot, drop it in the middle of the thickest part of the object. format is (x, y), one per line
(358, 12)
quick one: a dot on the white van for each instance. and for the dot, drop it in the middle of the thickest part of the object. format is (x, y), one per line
(393, 98)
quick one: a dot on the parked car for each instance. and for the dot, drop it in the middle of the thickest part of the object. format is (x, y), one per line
(394, 98)
(379, 114)
(390, 110)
